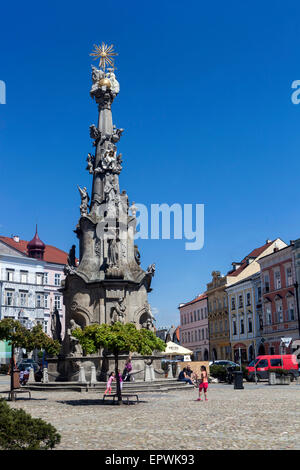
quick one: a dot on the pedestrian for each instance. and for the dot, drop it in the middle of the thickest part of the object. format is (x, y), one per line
(127, 370)
(203, 383)
(110, 380)
(184, 376)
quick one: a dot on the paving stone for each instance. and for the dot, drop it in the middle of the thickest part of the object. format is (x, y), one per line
(258, 417)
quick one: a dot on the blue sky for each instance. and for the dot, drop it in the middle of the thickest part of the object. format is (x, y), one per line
(206, 106)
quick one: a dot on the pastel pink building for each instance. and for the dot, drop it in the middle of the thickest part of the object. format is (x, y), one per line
(194, 333)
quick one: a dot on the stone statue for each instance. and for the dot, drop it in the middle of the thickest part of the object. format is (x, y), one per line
(84, 200)
(149, 322)
(97, 75)
(118, 311)
(72, 257)
(133, 208)
(75, 347)
(112, 252)
(116, 135)
(56, 326)
(151, 269)
(115, 86)
(91, 161)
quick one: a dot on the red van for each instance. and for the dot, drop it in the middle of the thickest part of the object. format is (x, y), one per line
(262, 364)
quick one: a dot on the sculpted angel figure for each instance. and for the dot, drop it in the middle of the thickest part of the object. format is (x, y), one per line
(96, 76)
(76, 349)
(133, 208)
(90, 166)
(118, 311)
(84, 200)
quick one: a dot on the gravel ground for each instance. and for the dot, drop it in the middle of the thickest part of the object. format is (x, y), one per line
(258, 417)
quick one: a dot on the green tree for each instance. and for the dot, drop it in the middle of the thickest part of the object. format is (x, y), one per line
(116, 339)
(17, 335)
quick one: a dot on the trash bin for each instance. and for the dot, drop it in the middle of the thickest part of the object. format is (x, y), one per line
(238, 380)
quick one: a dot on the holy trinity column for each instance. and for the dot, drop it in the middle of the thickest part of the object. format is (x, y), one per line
(107, 283)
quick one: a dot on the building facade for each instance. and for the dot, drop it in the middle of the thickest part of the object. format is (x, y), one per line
(194, 332)
(218, 309)
(280, 316)
(244, 318)
(30, 279)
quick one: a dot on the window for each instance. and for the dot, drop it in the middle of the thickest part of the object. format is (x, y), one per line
(221, 326)
(240, 301)
(279, 312)
(46, 300)
(8, 298)
(291, 311)
(202, 314)
(258, 293)
(57, 302)
(268, 315)
(24, 277)
(191, 318)
(276, 362)
(57, 280)
(195, 315)
(203, 333)
(45, 326)
(242, 326)
(23, 299)
(248, 298)
(266, 283)
(232, 303)
(216, 327)
(234, 327)
(262, 363)
(9, 274)
(225, 324)
(38, 300)
(206, 333)
(205, 309)
(45, 278)
(249, 325)
(289, 277)
(198, 313)
(39, 279)
(277, 279)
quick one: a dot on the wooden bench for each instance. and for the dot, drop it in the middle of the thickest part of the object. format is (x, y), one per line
(12, 394)
(125, 395)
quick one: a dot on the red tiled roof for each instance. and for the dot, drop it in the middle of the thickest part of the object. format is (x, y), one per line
(51, 255)
(200, 297)
(254, 254)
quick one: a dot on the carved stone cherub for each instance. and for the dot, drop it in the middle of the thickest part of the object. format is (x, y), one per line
(75, 347)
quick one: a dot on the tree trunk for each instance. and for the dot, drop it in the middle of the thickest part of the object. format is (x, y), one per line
(119, 393)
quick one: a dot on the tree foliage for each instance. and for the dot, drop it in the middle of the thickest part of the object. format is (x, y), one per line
(19, 431)
(14, 333)
(118, 338)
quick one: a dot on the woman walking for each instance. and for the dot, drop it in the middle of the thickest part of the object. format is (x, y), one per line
(203, 383)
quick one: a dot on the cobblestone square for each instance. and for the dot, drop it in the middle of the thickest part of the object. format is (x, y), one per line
(258, 417)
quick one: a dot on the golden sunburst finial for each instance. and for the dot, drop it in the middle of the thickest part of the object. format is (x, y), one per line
(105, 53)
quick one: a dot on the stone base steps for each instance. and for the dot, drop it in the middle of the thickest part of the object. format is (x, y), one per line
(164, 385)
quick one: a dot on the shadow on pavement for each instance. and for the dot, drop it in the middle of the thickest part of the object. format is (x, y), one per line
(100, 402)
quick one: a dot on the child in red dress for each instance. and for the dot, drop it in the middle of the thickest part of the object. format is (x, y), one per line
(203, 383)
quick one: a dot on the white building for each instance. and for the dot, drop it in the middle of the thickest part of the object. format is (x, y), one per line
(30, 276)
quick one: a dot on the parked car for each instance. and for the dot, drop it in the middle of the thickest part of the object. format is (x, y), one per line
(28, 363)
(224, 363)
(262, 364)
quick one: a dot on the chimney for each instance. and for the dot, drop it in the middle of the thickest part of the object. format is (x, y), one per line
(268, 241)
(16, 238)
